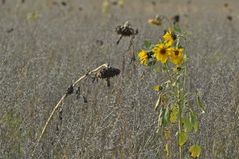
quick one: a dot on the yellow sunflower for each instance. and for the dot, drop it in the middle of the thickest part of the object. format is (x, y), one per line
(162, 52)
(177, 56)
(169, 37)
(143, 57)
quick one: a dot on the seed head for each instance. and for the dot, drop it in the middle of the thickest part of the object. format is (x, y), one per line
(126, 29)
(70, 90)
(108, 72)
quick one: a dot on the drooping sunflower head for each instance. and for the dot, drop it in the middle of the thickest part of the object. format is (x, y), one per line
(177, 56)
(143, 57)
(162, 52)
(169, 37)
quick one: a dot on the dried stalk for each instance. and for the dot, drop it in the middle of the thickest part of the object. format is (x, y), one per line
(61, 101)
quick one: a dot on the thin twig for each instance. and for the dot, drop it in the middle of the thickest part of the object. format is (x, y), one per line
(121, 36)
(61, 100)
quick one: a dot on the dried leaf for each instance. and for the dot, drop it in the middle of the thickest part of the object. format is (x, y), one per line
(155, 21)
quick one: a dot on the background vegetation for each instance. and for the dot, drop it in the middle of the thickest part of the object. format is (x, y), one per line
(44, 47)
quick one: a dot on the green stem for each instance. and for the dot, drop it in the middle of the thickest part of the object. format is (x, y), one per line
(180, 129)
(180, 152)
(180, 120)
(168, 73)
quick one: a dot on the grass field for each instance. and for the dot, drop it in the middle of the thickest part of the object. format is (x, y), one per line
(44, 47)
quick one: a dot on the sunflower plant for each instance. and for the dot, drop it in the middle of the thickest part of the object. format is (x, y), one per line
(177, 113)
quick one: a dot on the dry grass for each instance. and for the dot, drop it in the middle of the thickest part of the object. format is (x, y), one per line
(38, 60)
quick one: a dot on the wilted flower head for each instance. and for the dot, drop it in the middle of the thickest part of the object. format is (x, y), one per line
(108, 72)
(154, 21)
(176, 19)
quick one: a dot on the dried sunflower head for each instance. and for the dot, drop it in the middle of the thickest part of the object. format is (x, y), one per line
(126, 29)
(108, 72)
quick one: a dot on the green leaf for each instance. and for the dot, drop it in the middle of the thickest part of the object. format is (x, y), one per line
(147, 44)
(200, 103)
(166, 116)
(165, 68)
(182, 138)
(194, 119)
(187, 124)
(157, 69)
(174, 114)
(163, 116)
(176, 28)
(152, 62)
(195, 151)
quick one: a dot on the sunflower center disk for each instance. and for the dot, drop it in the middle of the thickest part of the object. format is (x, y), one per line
(163, 51)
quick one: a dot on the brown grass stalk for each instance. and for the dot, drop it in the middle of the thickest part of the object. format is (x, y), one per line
(61, 101)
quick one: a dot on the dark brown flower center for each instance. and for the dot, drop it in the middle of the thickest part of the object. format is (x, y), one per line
(176, 52)
(163, 51)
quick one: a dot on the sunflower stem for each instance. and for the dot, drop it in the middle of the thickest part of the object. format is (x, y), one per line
(178, 95)
(56, 107)
(180, 129)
